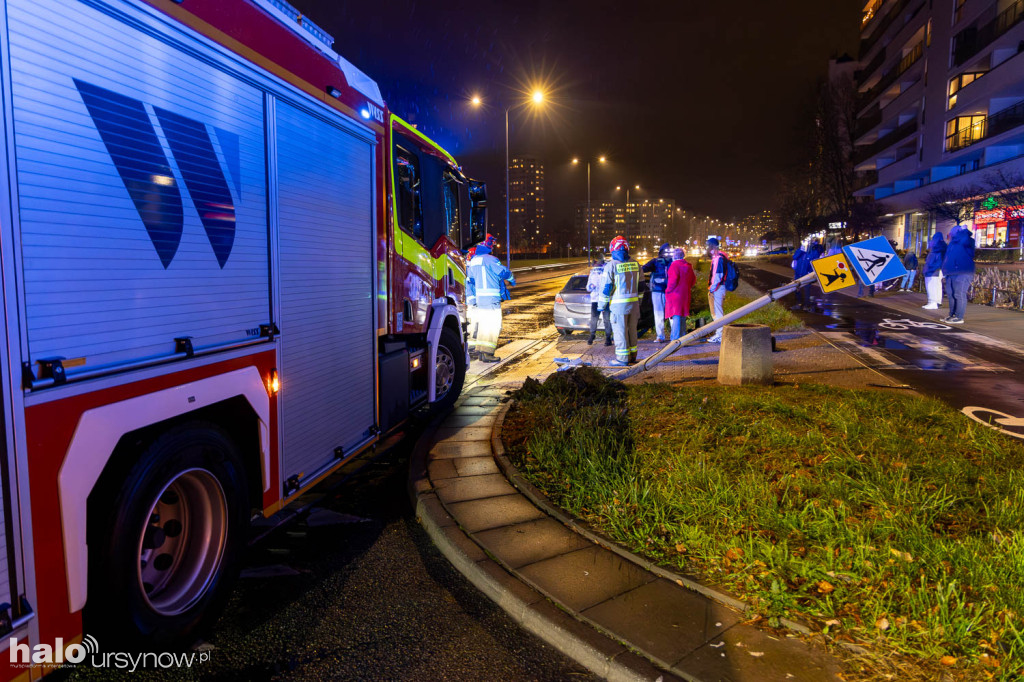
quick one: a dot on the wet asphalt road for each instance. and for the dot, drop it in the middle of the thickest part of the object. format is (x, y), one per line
(962, 368)
(533, 300)
(355, 590)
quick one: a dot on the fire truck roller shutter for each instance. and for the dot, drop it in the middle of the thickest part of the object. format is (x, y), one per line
(141, 187)
(325, 171)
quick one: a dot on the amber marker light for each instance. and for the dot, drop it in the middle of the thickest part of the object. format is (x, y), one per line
(273, 382)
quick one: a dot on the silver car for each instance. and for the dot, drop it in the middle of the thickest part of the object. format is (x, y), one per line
(572, 307)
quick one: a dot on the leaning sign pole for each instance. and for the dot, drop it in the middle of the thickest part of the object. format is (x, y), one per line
(706, 330)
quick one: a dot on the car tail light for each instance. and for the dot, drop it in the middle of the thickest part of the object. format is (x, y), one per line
(559, 299)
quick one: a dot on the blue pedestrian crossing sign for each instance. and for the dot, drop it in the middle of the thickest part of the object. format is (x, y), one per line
(874, 260)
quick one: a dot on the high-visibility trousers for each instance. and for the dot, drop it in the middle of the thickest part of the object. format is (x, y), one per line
(624, 330)
(471, 319)
(488, 329)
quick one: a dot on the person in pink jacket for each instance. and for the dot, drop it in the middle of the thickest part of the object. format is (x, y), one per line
(677, 292)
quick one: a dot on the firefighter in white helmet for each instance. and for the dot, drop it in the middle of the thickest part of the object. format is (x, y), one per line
(621, 294)
(471, 308)
(484, 282)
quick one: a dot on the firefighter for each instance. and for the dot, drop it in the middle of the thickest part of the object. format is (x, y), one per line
(471, 308)
(621, 295)
(485, 278)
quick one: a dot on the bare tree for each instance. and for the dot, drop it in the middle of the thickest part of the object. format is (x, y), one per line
(953, 203)
(835, 117)
(1007, 186)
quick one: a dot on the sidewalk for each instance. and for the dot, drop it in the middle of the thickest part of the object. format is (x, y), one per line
(1001, 324)
(615, 613)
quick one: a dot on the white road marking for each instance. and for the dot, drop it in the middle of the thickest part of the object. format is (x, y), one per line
(939, 349)
(1003, 418)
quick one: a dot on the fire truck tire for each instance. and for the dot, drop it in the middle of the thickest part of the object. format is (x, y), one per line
(170, 545)
(450, 373)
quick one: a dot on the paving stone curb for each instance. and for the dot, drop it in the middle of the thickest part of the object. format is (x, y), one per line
(527, 606)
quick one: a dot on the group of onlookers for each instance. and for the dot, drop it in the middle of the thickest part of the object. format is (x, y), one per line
(615, 295)
(952, 260)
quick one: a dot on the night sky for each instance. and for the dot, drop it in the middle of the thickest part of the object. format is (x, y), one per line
(704, 102)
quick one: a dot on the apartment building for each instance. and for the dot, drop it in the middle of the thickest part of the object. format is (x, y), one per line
(607, 219)
(645, 224)
(650, 224)
(940, 107)
(526, 204)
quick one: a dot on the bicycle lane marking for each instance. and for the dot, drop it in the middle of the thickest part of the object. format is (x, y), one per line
(902, 324)
(994, 419)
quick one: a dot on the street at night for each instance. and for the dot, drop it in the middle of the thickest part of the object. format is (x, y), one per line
(512, 341)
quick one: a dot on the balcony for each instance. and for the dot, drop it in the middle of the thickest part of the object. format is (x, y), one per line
(862, 75)
(864, 153)
(973, 39)
(866, 123)
(996, 124)
(865, 180)
(911, 58)
(887, 21)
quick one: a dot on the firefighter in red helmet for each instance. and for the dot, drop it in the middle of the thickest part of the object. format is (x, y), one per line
(621, 294)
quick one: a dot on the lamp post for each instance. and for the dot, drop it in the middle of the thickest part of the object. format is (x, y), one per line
(600, 159)
(536, 98)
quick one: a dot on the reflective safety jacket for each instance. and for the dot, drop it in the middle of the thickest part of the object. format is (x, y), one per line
(621, 291)
(484, 277)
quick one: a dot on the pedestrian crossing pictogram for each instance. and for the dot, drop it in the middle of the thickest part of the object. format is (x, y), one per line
(874, 260)
(833, 272)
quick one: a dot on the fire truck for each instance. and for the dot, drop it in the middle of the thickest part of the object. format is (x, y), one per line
(227, 269)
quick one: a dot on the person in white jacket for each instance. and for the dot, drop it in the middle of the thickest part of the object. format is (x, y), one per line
(594, 285)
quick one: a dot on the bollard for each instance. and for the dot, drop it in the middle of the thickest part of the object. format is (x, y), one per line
(746, 355)
(995, 293)
(1020, 303)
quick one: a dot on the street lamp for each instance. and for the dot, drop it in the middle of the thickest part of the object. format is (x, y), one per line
(575, 161)
(537, 99)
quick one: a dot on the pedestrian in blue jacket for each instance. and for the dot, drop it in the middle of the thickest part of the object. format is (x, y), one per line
(658, 267)
(933, 271)
(802, 266)
(958, 267)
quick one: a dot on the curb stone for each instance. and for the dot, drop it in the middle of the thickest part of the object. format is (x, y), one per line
(527, 607)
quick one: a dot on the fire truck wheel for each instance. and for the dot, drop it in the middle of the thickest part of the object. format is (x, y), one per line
(171, 544)
(450, 372)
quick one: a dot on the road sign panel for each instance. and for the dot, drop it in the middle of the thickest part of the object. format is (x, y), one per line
(874, 260)
(833, 272)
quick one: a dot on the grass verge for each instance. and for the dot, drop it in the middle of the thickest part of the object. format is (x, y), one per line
(775, 315)
(884, 520)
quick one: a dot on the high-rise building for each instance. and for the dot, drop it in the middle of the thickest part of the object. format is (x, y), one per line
(526, 204)
(940, 108)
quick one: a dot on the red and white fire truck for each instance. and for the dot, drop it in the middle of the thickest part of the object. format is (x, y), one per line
(227, 268)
